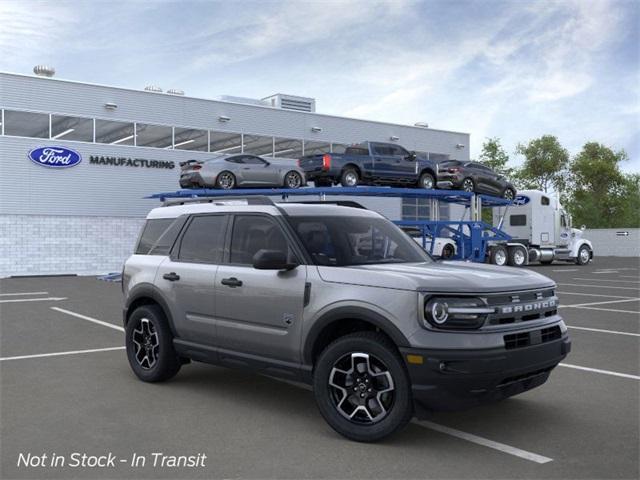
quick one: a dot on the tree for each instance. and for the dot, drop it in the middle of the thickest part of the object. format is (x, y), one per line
(545, 164)
(495, 157)
(600, 195)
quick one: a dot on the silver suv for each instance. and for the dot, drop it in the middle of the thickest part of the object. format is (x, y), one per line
(337, 297)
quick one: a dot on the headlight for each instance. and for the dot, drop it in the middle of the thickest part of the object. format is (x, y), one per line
(456, 313)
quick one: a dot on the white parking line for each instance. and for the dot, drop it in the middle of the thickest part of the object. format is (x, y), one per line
(605, 280)
(628, 276)
(599, 286)
(47, 299)
(599, 330)
(568, 270)
(609, 310)
(22, 293)
(88, 319)
(597, 370)
(57, 354)
(604, 272)
(534, 457)
(591, 294)
(517, 452)
(599, 303)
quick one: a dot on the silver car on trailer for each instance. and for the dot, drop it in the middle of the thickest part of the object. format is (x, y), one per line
(241, 170)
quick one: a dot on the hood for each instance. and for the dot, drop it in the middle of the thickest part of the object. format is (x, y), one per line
(450, 277)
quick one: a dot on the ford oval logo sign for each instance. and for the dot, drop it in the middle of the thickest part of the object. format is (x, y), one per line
(55, 157)
(521, 200)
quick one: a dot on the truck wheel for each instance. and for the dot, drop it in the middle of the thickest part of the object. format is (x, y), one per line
(362, 388)
(447, 251)
(499, 255)
(149, 345)
(349, 178)
(584, 255)
(427, 181)
(468, 185)
(517, 256)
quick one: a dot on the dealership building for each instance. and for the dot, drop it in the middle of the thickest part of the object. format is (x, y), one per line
(85, 218)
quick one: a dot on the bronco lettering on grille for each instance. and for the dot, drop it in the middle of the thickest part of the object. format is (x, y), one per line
(528, 307)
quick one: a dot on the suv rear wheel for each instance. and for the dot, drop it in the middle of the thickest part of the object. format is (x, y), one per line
(362, 388)
(149, 345)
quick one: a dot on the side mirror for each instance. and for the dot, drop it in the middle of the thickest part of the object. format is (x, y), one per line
(412, 156)
(272, 260)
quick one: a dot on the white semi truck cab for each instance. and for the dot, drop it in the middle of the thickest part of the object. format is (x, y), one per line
(541, 231)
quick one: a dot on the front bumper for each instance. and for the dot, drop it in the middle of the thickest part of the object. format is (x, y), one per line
(458, 379)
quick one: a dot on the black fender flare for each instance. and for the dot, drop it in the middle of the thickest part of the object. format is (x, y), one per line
(147, 290)
(351, 313)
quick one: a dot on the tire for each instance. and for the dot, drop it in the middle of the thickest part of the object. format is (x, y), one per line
(517, 256)
(427, 181)
(468, 185)
(226, 180)
(508, 194)
(381, 414)
(499, 255)
(349, 178)
(448, 252)
(584, 255)
(293, 180)
(160, 362)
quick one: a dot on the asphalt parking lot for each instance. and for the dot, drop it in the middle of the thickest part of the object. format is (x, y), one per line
(66, 387)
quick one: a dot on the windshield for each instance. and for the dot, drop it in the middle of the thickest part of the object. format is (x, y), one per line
(344, 241)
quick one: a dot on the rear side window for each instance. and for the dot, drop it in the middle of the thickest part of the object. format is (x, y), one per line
(356, 151)
(151, 232)
(518, 220)
(203, 241)
(544, 201)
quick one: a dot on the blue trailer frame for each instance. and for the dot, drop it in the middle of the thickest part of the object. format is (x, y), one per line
(472, 237)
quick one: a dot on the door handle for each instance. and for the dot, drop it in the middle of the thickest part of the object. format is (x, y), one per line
(232, 282)
(172, 277)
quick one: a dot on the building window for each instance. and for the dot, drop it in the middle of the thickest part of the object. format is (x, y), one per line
(190, 139)
(315, 148)
(114, 133)
(225, 142)
(26, 124)
(157, 136)
(71, 128)
(258, 145)
(287, 148)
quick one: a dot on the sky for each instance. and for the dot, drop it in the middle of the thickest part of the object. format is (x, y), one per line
(509, 69)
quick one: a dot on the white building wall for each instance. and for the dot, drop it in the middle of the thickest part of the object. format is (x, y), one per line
(65, 244)
(613, 241)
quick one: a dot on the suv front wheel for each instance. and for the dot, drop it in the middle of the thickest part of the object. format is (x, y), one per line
(149, 345)
(362, 387)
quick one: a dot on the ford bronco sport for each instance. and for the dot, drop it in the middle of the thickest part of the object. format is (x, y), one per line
(337, 297)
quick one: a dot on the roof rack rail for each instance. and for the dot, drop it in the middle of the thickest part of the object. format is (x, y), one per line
(340, 203)
(226, 200)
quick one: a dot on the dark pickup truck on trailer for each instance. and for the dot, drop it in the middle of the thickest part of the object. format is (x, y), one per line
(371, 163)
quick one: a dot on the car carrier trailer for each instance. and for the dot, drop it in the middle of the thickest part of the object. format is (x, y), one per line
(473, 239)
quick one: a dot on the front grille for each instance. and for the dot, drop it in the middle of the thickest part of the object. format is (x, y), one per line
(525, 339)
(522, 306)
